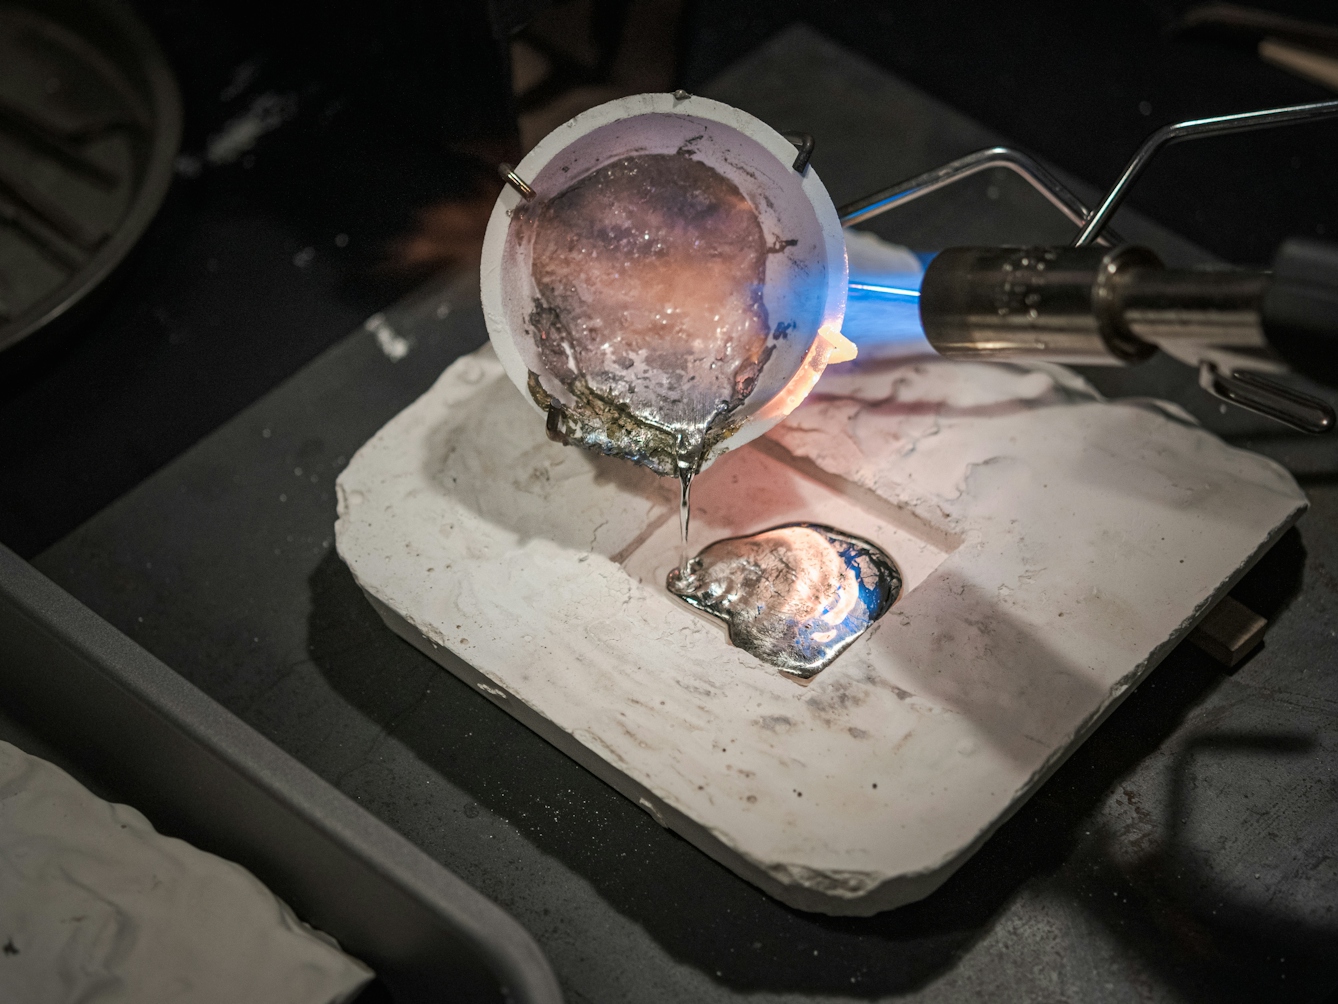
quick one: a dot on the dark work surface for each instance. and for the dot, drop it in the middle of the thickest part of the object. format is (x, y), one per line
(242, 278)
(213, 309)
(1185, 852)
(1083, 84)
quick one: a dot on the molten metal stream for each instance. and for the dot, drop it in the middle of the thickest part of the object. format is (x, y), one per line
(650, 272)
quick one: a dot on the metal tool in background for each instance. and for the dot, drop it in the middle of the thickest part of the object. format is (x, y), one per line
(1101, 302)
(1306, 49)
(90, 124)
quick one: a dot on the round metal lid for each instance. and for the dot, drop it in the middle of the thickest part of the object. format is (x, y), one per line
(90, 124)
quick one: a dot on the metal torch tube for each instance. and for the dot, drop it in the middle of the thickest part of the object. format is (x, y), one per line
(1211, 307)
(1092, 306)
(1057, 304)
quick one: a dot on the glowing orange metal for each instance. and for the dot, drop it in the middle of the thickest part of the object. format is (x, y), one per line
(829, 347)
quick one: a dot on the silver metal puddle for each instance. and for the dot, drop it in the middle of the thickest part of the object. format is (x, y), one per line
(794, 596)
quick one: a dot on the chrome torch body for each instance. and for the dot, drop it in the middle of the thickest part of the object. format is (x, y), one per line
(1093, 305)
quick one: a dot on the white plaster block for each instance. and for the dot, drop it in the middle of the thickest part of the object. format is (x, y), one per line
(1055, 547)
(96, 905)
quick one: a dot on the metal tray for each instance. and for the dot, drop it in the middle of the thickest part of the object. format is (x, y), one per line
(76, 691)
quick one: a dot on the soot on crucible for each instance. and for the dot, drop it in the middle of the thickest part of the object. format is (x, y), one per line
(649, 273)
(794, 596)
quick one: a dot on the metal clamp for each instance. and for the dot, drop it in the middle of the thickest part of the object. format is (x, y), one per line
(1021, 164)
(510, 176)
(803, 142)
(1256, 392)
(1092, 225)
(1195, 129)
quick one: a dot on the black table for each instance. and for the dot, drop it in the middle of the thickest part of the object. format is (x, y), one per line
(1184, 852)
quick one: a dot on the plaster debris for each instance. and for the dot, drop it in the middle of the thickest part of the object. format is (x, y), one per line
(96, 904)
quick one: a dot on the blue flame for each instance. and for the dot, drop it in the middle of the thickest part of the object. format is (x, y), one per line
(883, 298)
(909, 293)
(883, 315)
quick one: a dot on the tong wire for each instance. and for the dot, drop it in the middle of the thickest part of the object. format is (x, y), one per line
(1194, 129)
(1021, 164)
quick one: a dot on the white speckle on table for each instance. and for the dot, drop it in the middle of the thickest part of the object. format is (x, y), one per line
(392, 344)
(1054, 546)
(242, 77)
(267, 112)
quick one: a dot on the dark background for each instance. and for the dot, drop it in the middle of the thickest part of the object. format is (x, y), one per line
(244, 278)
(402, 108)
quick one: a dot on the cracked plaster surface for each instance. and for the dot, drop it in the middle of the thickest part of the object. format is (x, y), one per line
(1055, 546)
(96, 904)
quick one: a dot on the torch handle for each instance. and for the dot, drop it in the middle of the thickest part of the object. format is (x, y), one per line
(1300, 307)
(1099, 306)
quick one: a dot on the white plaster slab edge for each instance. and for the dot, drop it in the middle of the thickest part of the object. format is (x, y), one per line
(1061, 546)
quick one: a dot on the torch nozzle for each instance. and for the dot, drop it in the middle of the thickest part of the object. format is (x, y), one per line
(1115, 306)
